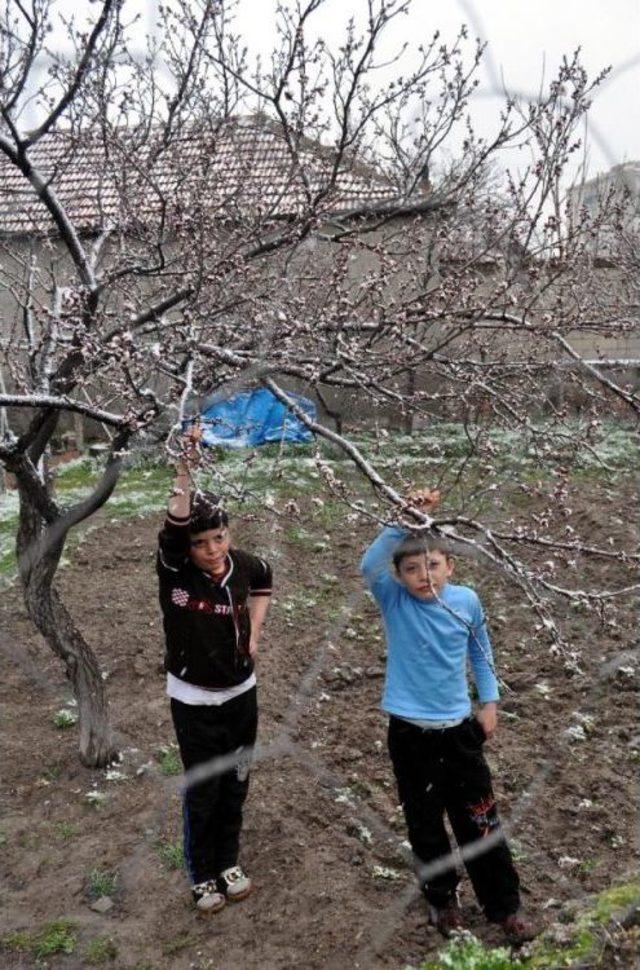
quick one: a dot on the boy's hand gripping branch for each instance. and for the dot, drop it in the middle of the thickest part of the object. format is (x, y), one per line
(188, 460)
(190, 454)
(424, 499)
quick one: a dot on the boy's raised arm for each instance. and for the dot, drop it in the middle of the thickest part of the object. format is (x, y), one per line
(173, 540)
(178, 507)
(376, 562)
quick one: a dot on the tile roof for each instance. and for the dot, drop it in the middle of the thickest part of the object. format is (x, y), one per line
(243, 168)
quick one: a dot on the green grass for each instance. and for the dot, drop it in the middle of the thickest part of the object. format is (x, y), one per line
(465, 952)
(66, 830)
(7, 562)
(301, 537)
(55, 937)
(18, 941)
(64, 719)
(329, 515)
(100, 950)
(8, 525)
(170, 853)
(549, 956)
(102, 882)
(612, 900)
(169, 760)
(79, 473)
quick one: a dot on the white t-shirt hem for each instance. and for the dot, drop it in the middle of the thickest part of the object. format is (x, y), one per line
(180, 690)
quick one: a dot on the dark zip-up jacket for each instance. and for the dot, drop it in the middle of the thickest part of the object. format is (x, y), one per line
(207, 625)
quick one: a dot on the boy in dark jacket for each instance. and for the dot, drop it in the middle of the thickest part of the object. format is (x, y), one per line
(214, 600)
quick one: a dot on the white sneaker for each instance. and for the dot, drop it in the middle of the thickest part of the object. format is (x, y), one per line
(234, 884)
(207, 898)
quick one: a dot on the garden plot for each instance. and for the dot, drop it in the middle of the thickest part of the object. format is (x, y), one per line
(324, 839)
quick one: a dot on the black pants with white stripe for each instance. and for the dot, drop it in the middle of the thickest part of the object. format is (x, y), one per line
(212, 807)
(446, 771)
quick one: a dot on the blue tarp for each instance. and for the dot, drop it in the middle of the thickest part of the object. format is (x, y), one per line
(253, 418)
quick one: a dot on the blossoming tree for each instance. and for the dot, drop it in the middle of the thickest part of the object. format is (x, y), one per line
(188, 218)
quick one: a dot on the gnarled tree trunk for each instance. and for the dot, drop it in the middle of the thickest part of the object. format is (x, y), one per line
(39, 547)
(52, 619)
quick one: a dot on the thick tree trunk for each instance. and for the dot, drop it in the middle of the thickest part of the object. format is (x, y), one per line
(52, 619)
(39, 551)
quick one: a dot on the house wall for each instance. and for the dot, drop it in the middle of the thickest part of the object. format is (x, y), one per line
(414, 268)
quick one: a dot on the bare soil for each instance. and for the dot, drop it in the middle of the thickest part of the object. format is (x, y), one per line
(322, 812)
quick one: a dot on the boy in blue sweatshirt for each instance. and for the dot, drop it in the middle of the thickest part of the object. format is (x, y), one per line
(432, 627)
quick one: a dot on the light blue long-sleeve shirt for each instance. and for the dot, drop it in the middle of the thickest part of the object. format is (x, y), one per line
(428, 642)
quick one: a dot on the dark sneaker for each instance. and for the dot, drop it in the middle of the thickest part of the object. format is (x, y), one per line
(207, 898)
(234, 884)
(518, 930)
(446, 919)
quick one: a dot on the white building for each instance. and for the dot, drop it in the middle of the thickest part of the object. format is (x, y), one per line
(605, 193)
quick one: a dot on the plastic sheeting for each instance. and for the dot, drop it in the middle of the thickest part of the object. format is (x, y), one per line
(253, 418)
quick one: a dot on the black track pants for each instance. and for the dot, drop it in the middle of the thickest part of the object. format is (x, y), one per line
(445, 771)
(212, 808)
